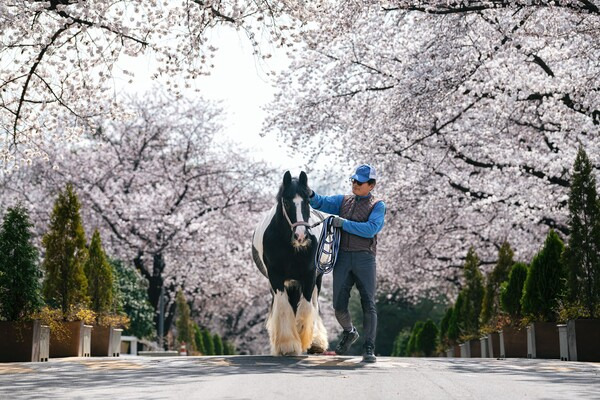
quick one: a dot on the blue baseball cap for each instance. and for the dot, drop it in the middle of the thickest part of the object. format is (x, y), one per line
(363, 173)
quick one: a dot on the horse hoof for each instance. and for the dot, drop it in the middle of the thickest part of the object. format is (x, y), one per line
(315, 350)
(289, 348)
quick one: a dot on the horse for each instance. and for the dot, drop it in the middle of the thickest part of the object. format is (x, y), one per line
(283, 248)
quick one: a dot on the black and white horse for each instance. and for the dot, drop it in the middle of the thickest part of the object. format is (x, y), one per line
(283, 248)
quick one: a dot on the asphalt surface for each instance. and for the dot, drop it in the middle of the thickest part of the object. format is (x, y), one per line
(305, 377)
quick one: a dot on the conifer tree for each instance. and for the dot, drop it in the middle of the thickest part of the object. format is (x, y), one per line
(218, 344)
(412, 349)
(401, 343)
(473, 295)
(582, 255)
(511, 291)
(491, 299)
(199, 340)
(185, 332)
(99, 274)
(133, 299)
(230, 348)
(444, 325)
(19, 271)
(545, 281)
(209, 345)
(65, 283)
(427, 338)
(455, 325)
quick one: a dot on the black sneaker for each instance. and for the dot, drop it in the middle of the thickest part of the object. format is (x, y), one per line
(369, 354)
(348, 338)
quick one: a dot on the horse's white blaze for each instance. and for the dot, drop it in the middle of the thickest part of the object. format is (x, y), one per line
(281, 325)
(305, 322)
(319, 339)
(301, 229)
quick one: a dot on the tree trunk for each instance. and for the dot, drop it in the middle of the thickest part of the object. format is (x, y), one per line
(155, 283)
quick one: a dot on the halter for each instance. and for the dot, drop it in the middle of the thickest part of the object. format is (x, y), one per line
(329, 242)
(299, 223)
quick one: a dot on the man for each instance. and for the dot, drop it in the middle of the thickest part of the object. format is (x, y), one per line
(360, 218)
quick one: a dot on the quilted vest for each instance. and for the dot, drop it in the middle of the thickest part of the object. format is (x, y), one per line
(356, 209)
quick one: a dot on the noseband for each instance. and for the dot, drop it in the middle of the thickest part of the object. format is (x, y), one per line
(299, 223)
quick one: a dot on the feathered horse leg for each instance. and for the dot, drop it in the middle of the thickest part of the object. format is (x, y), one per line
(281, 326)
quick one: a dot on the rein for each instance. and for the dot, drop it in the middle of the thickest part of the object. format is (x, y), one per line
(329, 242)
(329, 245)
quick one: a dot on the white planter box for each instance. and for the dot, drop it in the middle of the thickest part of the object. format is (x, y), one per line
(493, 344)
(484, 347)
(115, 342)
(44, 343)
(465, 350)
(131, 342)
(530, 341)
(563, 342)
(86, 341)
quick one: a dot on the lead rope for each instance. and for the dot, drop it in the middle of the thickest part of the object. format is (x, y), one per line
(329, 244)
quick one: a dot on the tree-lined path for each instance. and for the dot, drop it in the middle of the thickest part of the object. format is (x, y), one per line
(307, 377)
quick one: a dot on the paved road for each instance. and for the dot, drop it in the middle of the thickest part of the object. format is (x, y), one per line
(307, 377)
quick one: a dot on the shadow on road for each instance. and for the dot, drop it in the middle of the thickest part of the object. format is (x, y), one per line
(584, 376)
(62, 377)
(42, 380)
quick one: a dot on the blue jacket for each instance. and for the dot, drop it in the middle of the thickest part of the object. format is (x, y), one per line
(332, 205)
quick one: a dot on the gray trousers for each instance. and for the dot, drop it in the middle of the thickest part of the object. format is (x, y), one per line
(356, 267)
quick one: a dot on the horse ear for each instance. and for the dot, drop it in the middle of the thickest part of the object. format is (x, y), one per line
(287, 178)
(303, 179)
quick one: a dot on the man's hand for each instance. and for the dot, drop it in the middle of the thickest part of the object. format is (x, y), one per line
(337, 222)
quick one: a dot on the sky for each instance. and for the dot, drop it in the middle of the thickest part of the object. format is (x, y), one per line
(240, 82)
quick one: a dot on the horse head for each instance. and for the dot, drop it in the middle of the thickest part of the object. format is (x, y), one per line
(293, 205)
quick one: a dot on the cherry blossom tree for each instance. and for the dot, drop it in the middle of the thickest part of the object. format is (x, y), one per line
(63, 60)
(473, 111)
(169, 196)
